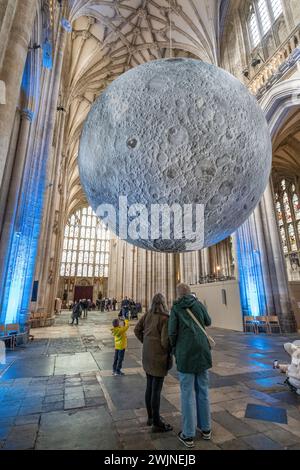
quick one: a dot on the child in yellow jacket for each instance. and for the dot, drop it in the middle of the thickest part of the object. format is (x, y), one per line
(119, 332)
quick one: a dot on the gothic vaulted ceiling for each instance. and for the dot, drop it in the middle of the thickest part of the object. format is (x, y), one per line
(109, 37)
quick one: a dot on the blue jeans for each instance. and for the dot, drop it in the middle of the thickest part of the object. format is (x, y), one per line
(118, 360)
(194, 402)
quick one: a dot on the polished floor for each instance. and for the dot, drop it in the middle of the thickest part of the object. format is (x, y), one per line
(58, 393)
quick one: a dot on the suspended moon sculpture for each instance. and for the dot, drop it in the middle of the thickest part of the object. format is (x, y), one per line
(177, 131)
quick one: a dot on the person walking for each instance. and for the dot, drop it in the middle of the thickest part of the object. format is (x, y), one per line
(76, 312)
(193, 358)
(125, 307)
(152, 331)
(85, 307)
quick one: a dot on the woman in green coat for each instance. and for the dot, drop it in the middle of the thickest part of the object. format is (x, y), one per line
(193, 358)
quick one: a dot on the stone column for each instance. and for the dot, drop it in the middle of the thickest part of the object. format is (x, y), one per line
(172, 279)
(205, 264)
(260, 252)
(136, 295)
(46, 138)
(266, 264)
(278, 276)
(11, 73)
(48, 249)
(15, 184)
(182, 267)
(7, 13)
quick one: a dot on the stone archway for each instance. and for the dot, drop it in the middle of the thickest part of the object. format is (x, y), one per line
(278, 104)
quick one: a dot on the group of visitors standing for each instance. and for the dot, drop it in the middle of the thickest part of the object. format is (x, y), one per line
(129, 308)
(106, 304)
(182, 334)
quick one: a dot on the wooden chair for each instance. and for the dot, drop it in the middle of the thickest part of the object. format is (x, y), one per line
(249, 321)
(273, 323)
(262, 322)
(4, 336)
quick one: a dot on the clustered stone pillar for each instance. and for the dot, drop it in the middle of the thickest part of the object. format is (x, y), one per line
(15, 186)
(202, 263)
(138, 273)
(276, 282)
(47, 258)
(264, 237)
(11, 73)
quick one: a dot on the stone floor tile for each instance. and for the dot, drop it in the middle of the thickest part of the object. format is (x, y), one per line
(83, 429)
(283, 437)
(56, 406)
(27, 419)
(236, 427)
(53, 398)
(95, 401)
(74, 403)
(21, 437)
(235, 444)
(121, 415)
(4, 431)
(220, 434)
(294, 447)
(9, 411)
(261, 441)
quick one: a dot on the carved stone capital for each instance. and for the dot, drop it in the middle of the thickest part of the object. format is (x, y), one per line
(86, 35)
(27, 114)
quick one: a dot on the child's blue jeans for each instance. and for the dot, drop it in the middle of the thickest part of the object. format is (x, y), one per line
(118, 360)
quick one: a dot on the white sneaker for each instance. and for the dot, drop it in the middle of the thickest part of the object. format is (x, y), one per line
(206, 435)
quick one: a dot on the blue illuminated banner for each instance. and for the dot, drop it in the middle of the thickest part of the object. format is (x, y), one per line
(47, 54)
(252, 290)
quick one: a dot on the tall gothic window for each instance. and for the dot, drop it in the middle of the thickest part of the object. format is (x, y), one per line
(254, 31)
(86, 246)
(263, 13)
(264, 16)
(288, 216)
(276, 8)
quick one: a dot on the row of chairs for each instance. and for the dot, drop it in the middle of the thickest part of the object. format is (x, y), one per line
(266, 323)
(9, 334)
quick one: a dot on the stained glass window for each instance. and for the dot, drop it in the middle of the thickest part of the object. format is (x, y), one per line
(296, 206)
(292, 237)
(283, 240)
(279, 213)
(287, 209)
(86, 246)
(288, 215)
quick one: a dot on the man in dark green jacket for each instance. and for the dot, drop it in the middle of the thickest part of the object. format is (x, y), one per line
(193, 359)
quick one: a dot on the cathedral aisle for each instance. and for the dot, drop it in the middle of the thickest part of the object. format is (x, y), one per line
(58, 392)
